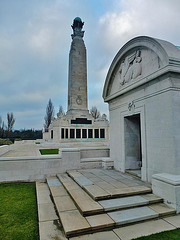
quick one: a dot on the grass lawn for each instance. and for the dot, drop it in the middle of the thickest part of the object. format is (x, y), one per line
(18, 212)
(49, 151)
(167, 235)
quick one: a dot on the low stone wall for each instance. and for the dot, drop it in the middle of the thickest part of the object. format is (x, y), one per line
(28, 168)
(39, 167)
(93, 152)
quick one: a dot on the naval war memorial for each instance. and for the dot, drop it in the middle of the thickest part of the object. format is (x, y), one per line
(109, 174)
(77, 125)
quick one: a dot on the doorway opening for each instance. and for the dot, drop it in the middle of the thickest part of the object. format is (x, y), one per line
(133, 149)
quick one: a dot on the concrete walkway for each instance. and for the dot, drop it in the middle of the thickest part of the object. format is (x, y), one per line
(21, 150)
(30, 148)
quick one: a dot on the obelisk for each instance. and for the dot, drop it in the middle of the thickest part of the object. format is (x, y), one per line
(77, 79)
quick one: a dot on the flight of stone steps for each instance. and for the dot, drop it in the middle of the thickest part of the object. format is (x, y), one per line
(93, 200)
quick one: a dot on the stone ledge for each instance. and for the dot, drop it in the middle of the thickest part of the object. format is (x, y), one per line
(168, 178)
(167, 186)
(96, 159)
(43, 157)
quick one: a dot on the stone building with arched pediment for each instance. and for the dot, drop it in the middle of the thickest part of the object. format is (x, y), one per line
(142, 89)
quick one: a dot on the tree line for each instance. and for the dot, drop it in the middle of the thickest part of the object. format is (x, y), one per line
(6, 130)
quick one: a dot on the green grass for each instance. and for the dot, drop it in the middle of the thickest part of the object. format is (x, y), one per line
(38, 143)
(18, 212)
(49, 151)
(167, 235)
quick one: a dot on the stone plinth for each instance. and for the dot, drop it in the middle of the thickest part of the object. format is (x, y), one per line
(167, 186)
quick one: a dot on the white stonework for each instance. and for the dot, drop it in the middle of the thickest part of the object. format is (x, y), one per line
(167, 186)
(142, 88)
(77, 125)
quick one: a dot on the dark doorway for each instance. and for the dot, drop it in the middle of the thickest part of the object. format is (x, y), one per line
(133, 153)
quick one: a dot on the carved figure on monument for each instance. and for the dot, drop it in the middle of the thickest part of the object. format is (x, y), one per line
(130, 67)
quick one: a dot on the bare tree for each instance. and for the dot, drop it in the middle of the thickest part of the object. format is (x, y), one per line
(94, 112)
(49, 114)
(10, 121)
(2, 128)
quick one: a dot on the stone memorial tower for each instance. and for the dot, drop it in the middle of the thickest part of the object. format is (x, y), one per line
(77, 79)
(77, 125)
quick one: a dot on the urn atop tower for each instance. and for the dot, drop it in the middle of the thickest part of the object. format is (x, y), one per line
(77, 28)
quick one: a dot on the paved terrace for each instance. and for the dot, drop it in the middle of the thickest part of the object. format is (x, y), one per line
(29, 148)
(97, 204)
(22, 149)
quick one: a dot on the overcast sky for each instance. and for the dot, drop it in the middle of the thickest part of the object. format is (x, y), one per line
(35, 38)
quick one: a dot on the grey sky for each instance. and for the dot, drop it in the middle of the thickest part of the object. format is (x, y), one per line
(35, 38)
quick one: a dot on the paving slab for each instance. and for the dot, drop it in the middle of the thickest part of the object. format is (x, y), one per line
(96, 192)
(63, 177)
(46, 212)
(95, 179)
(121, 192)
(106, 178)
(132, 215)
(85, 203)
(88, 174)
(41, 186)
(174, 220)
(108, 235)
(130, 183)
(64, 203)
(51, 230)
(100, 221)
(73, 222)
(53, 182)
(58, 191)
(152, 198)
(98, 172)
(117, 184)
(74, 174)
(162, 209)
(142, 229)
(43, 196)
(71, 186)
(104, 185)
(125, 202)
(83, 181)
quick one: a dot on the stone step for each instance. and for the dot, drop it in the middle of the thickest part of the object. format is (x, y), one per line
(137, 214)
(91, 207)
(129, 202)
(79, 214)
(102, 186)
(83, 201)
(72, 221)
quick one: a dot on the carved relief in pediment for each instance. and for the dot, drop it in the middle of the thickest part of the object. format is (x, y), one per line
(134, 66)
(131, 67)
